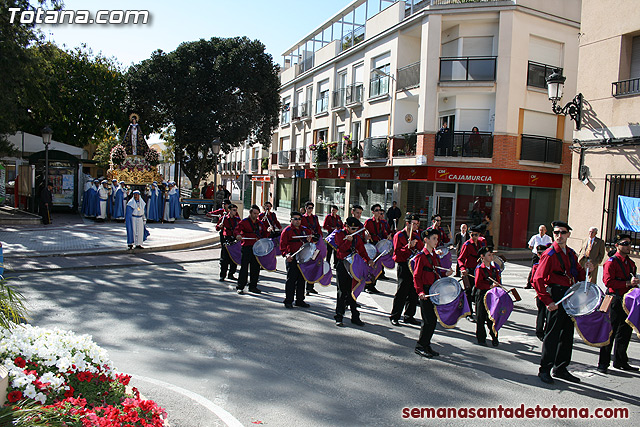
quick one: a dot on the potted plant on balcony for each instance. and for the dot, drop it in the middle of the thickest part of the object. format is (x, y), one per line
(265, 163)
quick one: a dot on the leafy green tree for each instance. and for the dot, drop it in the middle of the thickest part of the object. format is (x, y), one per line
(226, 88)
(103, 152)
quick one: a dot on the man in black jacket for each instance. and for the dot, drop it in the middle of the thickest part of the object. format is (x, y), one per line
(46, 200)
(393, 216)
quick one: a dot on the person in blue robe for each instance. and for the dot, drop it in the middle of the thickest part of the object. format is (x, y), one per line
(118, 205)
(135, 221)
(153, 203)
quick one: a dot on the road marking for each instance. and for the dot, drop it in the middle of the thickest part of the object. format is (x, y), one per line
(224, 416)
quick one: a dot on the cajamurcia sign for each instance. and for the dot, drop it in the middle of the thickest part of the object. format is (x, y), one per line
(444, 175)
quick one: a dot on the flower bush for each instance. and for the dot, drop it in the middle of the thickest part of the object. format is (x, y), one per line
(118, 155)
(135, 163)
(72, 378)
(152, 157)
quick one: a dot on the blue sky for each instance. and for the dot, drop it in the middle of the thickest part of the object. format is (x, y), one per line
(277, 23)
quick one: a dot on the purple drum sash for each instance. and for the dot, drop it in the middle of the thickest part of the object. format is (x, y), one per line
(276, 245)
(631, 306)
(445, 261)
(387, 261)
(326, 279)
(499, 306)
(374, 272)
(331, 239)
(359, 269)
(268, 261)
(449, 314)
(594, 329)
(357, 288)
(235, 252)
(412, 262)
(312, 270)
(321, 246)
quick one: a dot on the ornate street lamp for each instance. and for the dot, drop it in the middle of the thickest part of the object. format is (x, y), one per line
(46, 140)
(555, 87)
(215, 149)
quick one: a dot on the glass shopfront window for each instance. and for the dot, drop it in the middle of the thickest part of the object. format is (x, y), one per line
(474, 201)
(330, 192)
(420, 201)
(284, 193)
(366, 193)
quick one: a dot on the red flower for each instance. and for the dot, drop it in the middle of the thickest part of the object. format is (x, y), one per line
(14, 396)
(69, 393)
(123, 378)
(19, 362)
(102, 378)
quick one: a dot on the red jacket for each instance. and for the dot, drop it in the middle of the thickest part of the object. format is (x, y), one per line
(221, 213)
(272, 222)
(468, 258)
(424, 272)
(551, 272)
(246, 228)
(442, 236)
(289, 245)
(378, 230)
(312, 223)
(228, 225)
(401, 250)
(332, 223)
(483, 273)
(345, 247)
(615, 276)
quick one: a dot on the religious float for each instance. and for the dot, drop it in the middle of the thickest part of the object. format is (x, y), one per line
(133, 161)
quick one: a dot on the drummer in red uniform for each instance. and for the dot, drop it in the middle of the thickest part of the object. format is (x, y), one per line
(403, 248)
(250, 230)
(378, 229)
(425, 274)
(332, 222)
(468, 261)
(443, 236)
(348, 244)
(485, 271)
(216, 215)
(619, 275)
(289, 244)
(226, 227)
(270, 219)
(558, 270)
(311, 221)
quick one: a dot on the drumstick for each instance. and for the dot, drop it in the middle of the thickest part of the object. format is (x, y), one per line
(442, 268)
(297, 252)
(359, 231)
(565, 297)
(500, 285)
(432, 295)
(300, 237)
(586, 277)
(250, 238)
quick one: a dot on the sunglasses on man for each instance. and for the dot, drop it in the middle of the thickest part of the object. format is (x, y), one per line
(625, 243)
(558, 232)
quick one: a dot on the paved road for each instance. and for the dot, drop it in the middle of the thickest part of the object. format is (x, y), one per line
(196, 347)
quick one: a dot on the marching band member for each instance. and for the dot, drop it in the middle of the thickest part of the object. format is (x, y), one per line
(619, 275)
(557, 271)
(541, 317)
(250, 230)
(443, 236)
(348, 243)
(289, 244)
(485, 271)
(378, 230)
(468, 261)
(227, 227)
(312, 222)
(406, 242)
(332, 222)
(270, 219)
(218, 214)
(424, 275)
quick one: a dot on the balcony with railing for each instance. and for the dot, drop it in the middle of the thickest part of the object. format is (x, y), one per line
(319, 155)
(353, 38)
(336, 152)
(285, 117)
(537, 74)
(375, 148)
(625, 87)
(354, 94)
(302, 156)
(283, 158)
(405, 145)
(305, 110)
(541, 149)
(378, 86)
(469, 68)
(292, 155)
(255, 165)
(322, 103)
(409, 76)
(339, 98)
(465, 144)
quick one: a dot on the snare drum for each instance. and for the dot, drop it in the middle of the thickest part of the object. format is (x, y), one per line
(445, 257)
(448, 289)
(234, 249)
(384, 247)
(593, 326)
(371, 250)
(499, 262)
(307, 253)
(586, 299)
(264, 251)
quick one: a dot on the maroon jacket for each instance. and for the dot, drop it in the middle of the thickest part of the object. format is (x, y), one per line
(483, 273)
(345, 247)
(401, 250)
(332, 223)
(425, 272)
(551, 271)
(289, 245)
(378, 230)
(273, 220)
(256, 230)
(615, 276)
(312, 223)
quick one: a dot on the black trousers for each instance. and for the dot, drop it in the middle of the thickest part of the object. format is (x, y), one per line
(226, 263)
(429, 321)
(621, 336)
(45, 213)
(406, 296)
(558, 336)
(468, 290)
(535, 258)
(331, 251)
(541, 318)
(482, 317)
(294, 285)
(248, 259)
(344, 293)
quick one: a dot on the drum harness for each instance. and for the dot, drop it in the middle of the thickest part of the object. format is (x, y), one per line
(233, 221)
(574, 268)
(621, 279)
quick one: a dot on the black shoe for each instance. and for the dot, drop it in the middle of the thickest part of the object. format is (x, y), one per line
(528, 287)
(494, 341)
(222, 279)
(232, 278)
(625, 367)
(566, 375)
(338, 320)
(432, 351)
(139, 247)
(422, 352)
(357, 321)
(130, 247)
(288, 305)
(311, 291)
(412, 321)
(471, 319)
(372, 290)
(302, 304)
(239, 291)
(545, 377)
(255, 290)
(540, 337)
(394, 322)
(602, 369)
